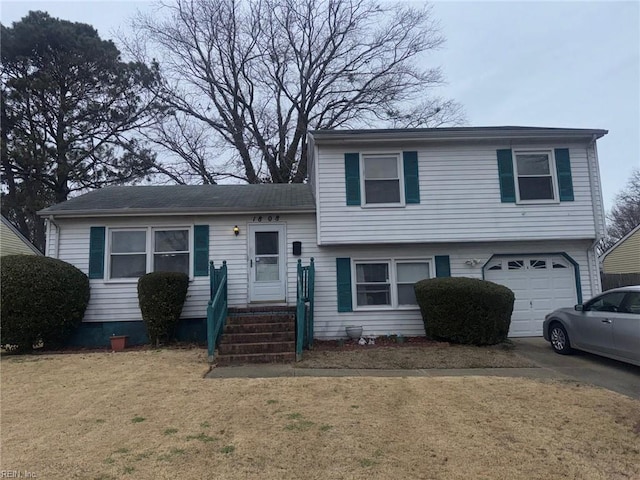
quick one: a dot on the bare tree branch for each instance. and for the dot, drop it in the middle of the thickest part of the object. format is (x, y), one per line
(260, 73)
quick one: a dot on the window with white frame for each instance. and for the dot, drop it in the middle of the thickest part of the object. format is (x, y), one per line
(171, 251)
(535, 176)
(372, 284)
(134, 252)
(407, 274)
(382, 179)
(128, 253)
(389, 282)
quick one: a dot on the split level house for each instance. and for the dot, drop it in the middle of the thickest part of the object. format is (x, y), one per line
(382, 209)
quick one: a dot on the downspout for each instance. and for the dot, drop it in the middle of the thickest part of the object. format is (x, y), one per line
(56, 244)
(598, 215)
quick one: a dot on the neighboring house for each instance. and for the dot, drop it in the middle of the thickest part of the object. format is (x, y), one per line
(12, 242)
(624, 255)
(520, 206)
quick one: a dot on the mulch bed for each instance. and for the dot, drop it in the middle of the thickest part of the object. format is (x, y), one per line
(129, 348)
(349, 344)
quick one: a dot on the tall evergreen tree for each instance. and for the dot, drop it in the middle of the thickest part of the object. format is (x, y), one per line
(71, 113)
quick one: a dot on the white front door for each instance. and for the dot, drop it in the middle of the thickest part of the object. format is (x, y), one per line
(267, 263)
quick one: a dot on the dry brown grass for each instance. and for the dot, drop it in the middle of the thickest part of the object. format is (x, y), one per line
(436, 355)
(150, 414)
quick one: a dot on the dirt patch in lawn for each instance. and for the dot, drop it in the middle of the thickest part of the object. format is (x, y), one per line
(412, 354)
(151, 415)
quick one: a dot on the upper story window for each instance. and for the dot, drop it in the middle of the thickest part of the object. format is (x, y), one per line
(535, 176)
(134, 252)
(382, 179)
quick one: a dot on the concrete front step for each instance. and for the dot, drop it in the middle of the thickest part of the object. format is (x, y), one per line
(259, 328)
(264, 318)
(278, 336)
(248, 348)
(240, 359)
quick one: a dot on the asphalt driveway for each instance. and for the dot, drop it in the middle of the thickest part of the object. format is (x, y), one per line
(582, 367)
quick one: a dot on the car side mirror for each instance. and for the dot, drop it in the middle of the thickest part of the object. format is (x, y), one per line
(579, 307)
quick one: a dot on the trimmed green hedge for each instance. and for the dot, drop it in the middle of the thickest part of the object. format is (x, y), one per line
(43, 300)
(465, 310)
(161, 296)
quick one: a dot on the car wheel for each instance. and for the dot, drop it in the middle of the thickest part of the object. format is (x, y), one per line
(559, 339)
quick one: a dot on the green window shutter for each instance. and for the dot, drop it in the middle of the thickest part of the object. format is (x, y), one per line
(96, 252)
(201, 250)
(443, 267)
(505, 172)
(352, 177)
(343, 273)
(563, 168)
(411, 183)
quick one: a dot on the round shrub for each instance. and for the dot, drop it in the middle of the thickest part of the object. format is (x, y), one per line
(161, 296)
(465, 310)
(43, 300)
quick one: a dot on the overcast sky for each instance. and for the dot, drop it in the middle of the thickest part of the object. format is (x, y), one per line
(546, 64)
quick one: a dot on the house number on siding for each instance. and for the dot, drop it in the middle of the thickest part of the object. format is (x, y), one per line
(266, 218)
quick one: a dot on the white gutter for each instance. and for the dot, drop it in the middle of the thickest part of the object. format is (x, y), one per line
(56, 244)
(136, 212)
(458, 134)
(597, 204)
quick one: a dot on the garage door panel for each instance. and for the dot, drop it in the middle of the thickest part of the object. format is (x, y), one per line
(540, 284)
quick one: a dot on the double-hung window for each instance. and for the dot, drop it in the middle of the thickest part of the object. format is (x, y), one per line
(407, 274)
(382, 180)
(535, 176)
(128, 257)
(171, 251)
(388, 283)
(372, 284)
(134, 252)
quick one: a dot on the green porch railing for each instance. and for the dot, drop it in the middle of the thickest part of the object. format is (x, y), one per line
(304, 308)
(217, 307)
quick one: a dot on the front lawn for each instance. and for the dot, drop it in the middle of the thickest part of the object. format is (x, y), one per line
(151, 415)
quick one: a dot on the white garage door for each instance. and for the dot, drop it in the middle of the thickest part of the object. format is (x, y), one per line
(540, 283)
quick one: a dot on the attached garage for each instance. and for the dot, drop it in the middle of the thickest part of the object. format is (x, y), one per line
(541, 283)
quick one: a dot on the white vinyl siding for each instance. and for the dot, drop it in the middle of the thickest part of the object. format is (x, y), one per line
(329, 324)
(118, 300)
(459, 200)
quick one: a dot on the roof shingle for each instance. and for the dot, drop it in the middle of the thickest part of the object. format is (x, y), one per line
(211, 199)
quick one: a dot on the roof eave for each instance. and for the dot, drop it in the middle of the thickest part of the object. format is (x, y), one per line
(156, 212)
(354, 136)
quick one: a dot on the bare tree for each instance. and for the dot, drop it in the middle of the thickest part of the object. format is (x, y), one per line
(246, 80)
(625, 214)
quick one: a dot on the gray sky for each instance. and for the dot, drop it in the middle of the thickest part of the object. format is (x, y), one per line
(546, 64)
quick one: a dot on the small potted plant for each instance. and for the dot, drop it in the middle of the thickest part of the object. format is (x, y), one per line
(118, 342)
